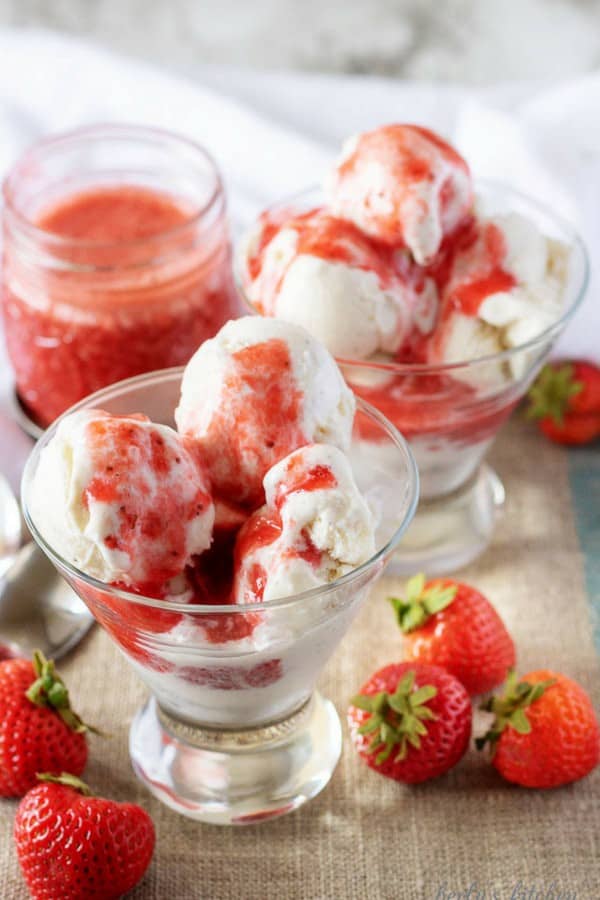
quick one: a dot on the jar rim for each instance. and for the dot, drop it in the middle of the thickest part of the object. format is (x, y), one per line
(116, 132)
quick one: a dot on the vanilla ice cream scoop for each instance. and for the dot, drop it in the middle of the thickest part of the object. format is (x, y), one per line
(314, 528)
(402, 185)
(322, 273)
(504, 287)
(258, 390)
(122, 499)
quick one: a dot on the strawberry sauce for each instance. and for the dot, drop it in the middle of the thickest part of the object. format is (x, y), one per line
(261, 396)
(384, 177)
(298, 478)
(261, 529)
(138, 475)
(337, 240)
(429, 405)
(122, 280)
(469, 268)
(113, 215)
(322, 235)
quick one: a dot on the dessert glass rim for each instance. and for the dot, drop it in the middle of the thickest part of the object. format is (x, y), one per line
(113, 131)
(576, 243)
(348, 579)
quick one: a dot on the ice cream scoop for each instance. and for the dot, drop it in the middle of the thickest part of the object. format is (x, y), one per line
(122, 499)
(314, 527)
(501, 284)
(321, 272)
(402, 185)
(257, 391)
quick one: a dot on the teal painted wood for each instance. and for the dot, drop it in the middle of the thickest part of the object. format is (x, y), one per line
(584, 476)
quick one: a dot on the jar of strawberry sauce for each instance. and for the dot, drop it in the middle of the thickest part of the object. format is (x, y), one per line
(116, 261)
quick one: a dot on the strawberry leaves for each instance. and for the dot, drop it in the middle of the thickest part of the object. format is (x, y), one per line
(50, 690)
(396, 720)
(68, 780)
(421, 602)
(509, 709)
(551, 393)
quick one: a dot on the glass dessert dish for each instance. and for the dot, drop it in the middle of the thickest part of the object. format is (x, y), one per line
(234, 731)
(450, 413)
(116, 261)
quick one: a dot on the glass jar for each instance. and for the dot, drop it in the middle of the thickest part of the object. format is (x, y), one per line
(116, 261)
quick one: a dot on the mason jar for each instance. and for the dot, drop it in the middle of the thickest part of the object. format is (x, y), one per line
(116, 261)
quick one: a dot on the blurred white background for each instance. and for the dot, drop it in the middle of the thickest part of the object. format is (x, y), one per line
(474, 41)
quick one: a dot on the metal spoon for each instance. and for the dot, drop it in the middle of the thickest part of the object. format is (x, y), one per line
(38, 609)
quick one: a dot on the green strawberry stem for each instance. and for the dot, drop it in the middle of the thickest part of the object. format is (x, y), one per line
(421, 603)
(68, 780)
(509, 709)
(50, 690)
(396, 720)
(551, 393)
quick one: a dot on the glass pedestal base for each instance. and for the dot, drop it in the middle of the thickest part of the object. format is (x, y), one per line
(449, 532)
(236, 777)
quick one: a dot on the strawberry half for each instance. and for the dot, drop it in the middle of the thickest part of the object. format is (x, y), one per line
(74, 846)
(39, 732)
(565, 400)
(545, 732)
(411, 722)
(450, 624)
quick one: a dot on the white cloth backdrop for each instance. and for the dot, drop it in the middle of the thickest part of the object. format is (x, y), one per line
(275, 133)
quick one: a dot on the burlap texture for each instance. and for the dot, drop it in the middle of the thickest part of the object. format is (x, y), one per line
(365, 836)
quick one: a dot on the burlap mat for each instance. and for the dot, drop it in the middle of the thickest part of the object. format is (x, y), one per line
(465, 835)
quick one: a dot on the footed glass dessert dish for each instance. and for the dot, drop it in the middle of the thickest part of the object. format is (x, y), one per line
(451, 412)
(234, 731)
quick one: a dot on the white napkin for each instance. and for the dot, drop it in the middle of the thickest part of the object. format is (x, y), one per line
(275, 133)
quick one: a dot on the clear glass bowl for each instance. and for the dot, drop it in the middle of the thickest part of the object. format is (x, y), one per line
(450, 414)
(234, 731)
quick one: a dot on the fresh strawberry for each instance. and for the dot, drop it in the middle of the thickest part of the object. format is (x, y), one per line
(39, 732)
(411, 722)
(565, 400)
(74, 846)
(574, 430)
(7, 652)
(545, 732)
(452, 625)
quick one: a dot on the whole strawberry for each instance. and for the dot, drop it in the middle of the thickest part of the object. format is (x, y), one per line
(565, 400)
(39, 732)
(545, 731)
(74, 846)
(411, 722)
(449, 624)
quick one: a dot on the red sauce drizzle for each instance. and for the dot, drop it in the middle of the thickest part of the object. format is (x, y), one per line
(265, 403)
(323, 235)
(308, 551)
(113, 214)
(152, 519)
(298, 478)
